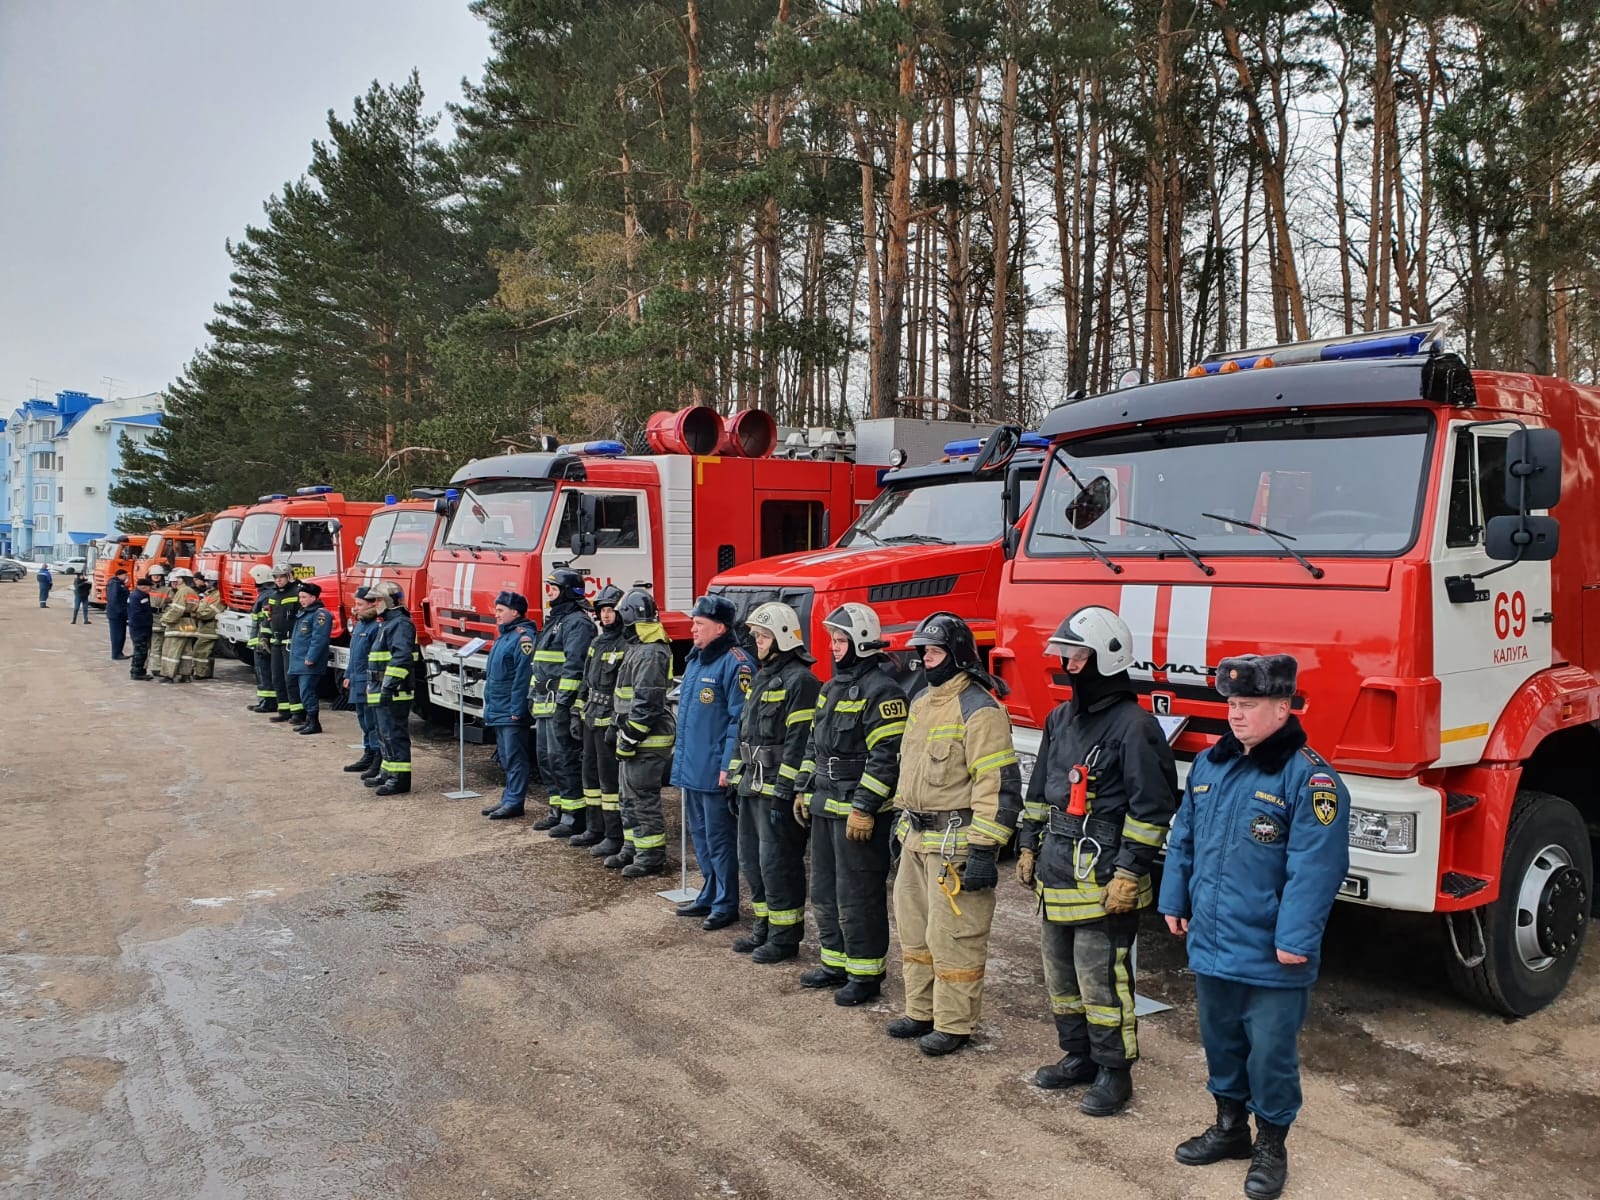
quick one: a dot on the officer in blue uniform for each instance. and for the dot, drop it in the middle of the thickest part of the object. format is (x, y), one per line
(1255, 858)
(505, 699)
(308, 654)
(716, 680)
(355, 682)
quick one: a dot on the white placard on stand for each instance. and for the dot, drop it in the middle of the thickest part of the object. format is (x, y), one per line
(462, 792)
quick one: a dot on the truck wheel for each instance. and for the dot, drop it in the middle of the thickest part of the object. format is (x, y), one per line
(238, 651)
(1533, 933)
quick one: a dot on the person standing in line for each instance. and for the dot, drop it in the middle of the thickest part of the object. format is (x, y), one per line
(846, 790)
(260, 642)
(1099, 802)
(141, 620)
(773, 731)
(46, 582)
(391, 686)
(117, 614)
(204, 646)
(642, 731)
(1258, 852)
(178, 625)
(159, 595)
(355, 683)
(308, 655)
(280, 628)
(960, 793)
(82, 586)
(557, 675)
(591, 717)
(716, 680)
(505, 699)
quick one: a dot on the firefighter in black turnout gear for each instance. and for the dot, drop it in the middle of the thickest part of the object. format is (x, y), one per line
(1097, 809)
(391, 686)
(846, 790)
(591, 720)
(773, 730)
(282, 612)
(558, 661)
(260, 642)
(642, 732)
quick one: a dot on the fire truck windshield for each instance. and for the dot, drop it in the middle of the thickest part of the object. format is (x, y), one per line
(397, 539)
(1332, 483)
(935, 513)
(258, 534)
(500, 514)
(219, 538)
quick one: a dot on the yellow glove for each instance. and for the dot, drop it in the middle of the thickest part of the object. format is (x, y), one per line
(802, 809)
(1122, 893)
(1025, 868)
(858, 826)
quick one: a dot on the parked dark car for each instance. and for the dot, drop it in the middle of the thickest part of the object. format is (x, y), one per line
(11, 570)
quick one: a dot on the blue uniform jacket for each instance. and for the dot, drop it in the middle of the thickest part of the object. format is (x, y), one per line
(1255, 858)
(309, 644)
(716, 681)
(510, 667)
(355, 668)
(46, 580)
(116, 598)
(141, 617)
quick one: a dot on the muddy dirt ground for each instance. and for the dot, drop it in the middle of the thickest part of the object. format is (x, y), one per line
(227, 970)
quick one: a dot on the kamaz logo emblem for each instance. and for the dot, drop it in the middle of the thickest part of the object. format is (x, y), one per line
(1161, 704)
(1150, 668)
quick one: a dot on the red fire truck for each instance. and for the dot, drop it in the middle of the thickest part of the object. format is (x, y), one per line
(315, 530)
(214, 550)
(1375, 508)
(672, 519)
(931, 541)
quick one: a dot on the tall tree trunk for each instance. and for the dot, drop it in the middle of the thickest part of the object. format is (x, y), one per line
(879, 401)
(770, 222)
(896, 259)
(1000, 211)
(1341, 205)
(955, 265)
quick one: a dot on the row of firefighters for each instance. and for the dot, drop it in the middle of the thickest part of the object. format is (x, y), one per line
(777, 768)
(170, 617)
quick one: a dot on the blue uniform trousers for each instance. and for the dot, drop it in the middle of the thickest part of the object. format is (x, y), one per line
(715, 834)
(119, 634)
(368, 722)
(1251, 1036)
(306, 686)
(511, 747)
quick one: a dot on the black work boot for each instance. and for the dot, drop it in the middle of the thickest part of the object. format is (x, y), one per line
(1072, 1069)
(858, 990)
(620, 859)
(612, 841)
(567, 827)
(1269, 1162)
(823, 977)
(550, 820)
(363, 764)
(396, 785)
(939, 1043)
(283, 714)
(1112, 1089)
(593, 827)
(314, 725)
(908, 1027)
(1228, 1138)
(774, 952)
(375, 771)
(639, 868)
(756, 938)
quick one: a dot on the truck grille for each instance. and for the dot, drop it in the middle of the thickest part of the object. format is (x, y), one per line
(457, 625)
(912, 589)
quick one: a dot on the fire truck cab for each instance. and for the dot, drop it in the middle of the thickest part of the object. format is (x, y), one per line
(1378, 510)
(931, 541)
(667, 520)
(113, 554)
(213, 553)
(315, 531)
(175, 545)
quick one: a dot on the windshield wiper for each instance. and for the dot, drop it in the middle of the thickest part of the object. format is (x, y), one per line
(1283, 540)
(1092, 545)
(924, 539)
(1176, 537)
(867, 533)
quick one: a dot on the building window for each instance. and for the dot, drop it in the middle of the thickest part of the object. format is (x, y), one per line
(61, 523)
(42, 460)
(42, 523)
(61, 495)
(41, 491)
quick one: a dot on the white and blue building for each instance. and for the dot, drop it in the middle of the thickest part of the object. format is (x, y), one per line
(59, 459)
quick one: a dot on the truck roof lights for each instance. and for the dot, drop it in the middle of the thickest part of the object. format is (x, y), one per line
(452, 495)
(966, 446)
(320, 489)
(389, 499)
(1407, 342)
(1033, 441)
(272, 497)
(606, 449)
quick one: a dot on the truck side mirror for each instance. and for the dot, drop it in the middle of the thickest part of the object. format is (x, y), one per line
(1522, 538)
(1011, 512)
(1091, 503)
(1533, 469)
(583, 534)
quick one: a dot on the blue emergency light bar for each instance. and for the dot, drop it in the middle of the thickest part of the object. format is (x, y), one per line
(1029, 441)
(1407, 342)
(390, 500)
(320, 489)
(606, 449)
(452, 495)
(274, 496)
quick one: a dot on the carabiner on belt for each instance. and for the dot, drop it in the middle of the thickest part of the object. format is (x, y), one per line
(947, 869)
(1080, 868)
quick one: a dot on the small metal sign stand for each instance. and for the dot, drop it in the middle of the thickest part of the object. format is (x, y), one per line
(462, 792)
(683, 893)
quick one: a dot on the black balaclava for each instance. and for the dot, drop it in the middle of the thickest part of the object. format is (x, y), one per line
(944, 672)
(1089, 687)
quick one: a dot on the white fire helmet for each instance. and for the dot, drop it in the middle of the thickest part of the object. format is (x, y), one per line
(1098, 629)
(779, 620)
(858, 623)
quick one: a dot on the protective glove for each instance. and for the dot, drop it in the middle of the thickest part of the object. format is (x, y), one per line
(858, 826)
(802, 810)
(980, 874)
(731, 794)
(1025, 868)
(1122, 893)
(575, 727)
(627, 746)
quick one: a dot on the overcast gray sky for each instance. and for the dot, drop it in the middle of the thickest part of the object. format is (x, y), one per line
(137, 137)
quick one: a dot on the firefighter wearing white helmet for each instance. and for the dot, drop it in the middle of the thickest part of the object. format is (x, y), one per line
(773, 730)
(846, 787)
(260, 642)
(1102, 794)
(179, 625)
(205, 639)
(281, 617)
(158, 635)
(391, 687)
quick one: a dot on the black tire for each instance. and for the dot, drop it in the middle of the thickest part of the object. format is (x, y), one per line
(1544, 830)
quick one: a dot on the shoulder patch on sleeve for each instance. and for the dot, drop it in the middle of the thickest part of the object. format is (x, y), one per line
(527, 646)
(892, 710)
(1325, 806)
(322, 618)
(1321, 779)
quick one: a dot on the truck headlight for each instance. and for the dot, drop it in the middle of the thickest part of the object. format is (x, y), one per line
(1384, 832)
(1025, 765)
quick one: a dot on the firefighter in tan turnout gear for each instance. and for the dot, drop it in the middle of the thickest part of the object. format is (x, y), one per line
(1098, 806)
(960, 795)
